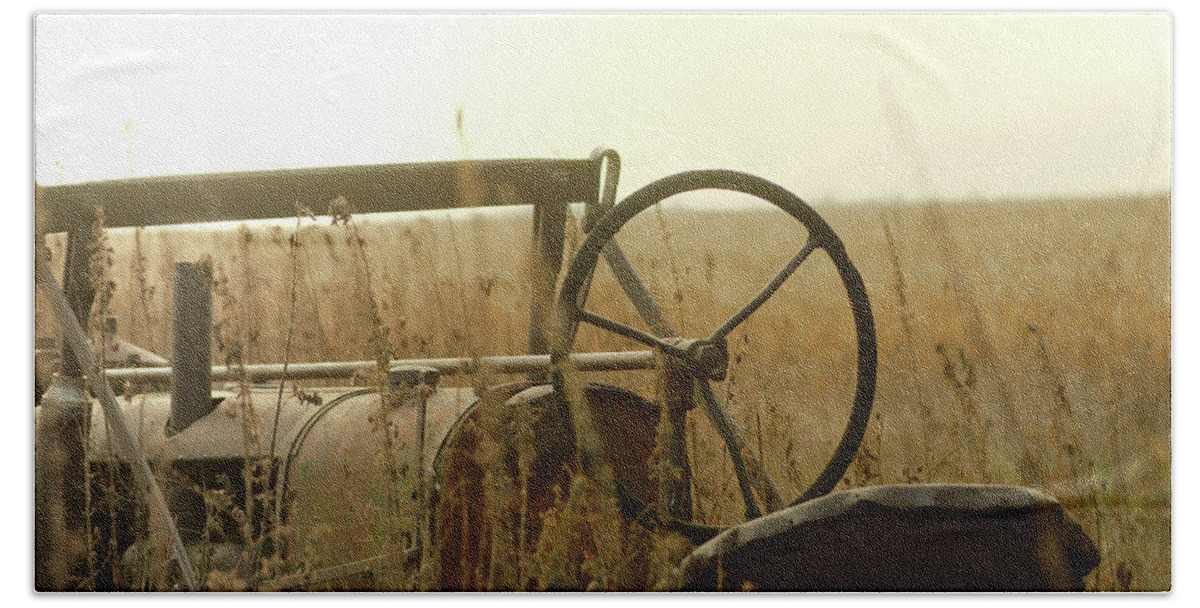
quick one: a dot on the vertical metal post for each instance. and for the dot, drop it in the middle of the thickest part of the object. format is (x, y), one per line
(675, 492)
(549, 225)
(60, 437)
(191, 358)
(76, 341)
(77, 283)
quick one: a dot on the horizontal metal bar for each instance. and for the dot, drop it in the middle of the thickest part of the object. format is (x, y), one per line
(518, 364)
(183, 199)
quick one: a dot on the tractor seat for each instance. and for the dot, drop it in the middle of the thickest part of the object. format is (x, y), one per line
(930, 537)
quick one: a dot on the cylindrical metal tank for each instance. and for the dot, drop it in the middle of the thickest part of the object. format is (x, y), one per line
(350, 473)
(340, 475)
(336, 501)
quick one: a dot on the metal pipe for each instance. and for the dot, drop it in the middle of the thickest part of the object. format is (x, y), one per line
(518, 364)
(191, 358)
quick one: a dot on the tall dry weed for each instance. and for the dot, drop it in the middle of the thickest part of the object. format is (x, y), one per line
(1020, 343)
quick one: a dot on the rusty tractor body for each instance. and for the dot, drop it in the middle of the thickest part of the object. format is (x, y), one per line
(386, 484)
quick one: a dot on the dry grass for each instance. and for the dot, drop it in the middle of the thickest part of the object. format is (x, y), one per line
(1020, 342)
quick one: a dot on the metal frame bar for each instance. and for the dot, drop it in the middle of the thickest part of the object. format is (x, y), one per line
(513, 364)
(250, 195)
(548, 184)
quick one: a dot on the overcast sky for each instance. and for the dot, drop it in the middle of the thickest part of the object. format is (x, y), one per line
(833, 107)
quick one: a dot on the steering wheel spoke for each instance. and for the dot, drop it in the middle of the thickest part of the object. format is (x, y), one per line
(766, 292)
(738, 454)
(637, 292)
(632, 333)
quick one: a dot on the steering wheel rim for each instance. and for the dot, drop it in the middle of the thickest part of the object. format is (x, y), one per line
(569, 310)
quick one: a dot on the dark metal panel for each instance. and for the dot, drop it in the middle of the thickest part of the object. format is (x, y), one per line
(191, 356)
(675, 489)
(929, 537)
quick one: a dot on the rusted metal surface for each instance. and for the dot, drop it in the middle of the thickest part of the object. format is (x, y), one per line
(154, 201)
(233, 430)
(675, 471)
(514, 364)
(416, 385)
(332, 457)
(375, 483)
(483, 446)
(935, 537)
(412, 376)
(216, 436)
(348, 487)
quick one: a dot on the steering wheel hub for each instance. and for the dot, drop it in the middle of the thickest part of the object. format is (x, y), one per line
(703, 358)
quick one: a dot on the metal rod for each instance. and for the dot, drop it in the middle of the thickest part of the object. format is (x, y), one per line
(518, 364)
(675, 488)
(77, 342)
(633, 287)
(766, 292)
(632, 333)
(739, 453)
(715, 411)
(549, 232)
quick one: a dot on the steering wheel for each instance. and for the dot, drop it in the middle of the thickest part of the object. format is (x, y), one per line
(706, 358)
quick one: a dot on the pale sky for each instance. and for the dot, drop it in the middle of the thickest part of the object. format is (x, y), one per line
(846, 107)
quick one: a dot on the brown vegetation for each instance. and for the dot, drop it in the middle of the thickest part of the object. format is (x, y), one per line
(1020, 342)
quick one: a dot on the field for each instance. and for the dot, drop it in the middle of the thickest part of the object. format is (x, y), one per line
(1020, 341)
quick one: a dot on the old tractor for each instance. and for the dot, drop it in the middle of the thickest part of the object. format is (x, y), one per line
(411, 515)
